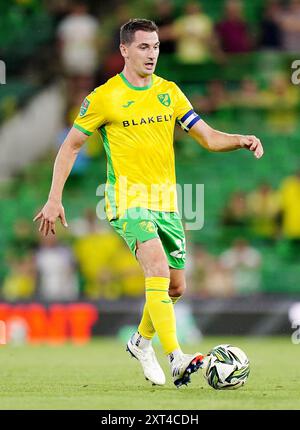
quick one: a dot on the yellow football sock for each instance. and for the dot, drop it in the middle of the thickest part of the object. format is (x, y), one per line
(146, 328)
(161, 312)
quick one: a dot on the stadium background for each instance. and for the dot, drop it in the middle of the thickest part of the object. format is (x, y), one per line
(233, 60)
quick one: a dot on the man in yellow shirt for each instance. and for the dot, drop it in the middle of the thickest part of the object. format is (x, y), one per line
(290, 205)
(135, 112)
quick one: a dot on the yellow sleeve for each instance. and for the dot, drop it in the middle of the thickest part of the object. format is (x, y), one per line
(91, 115)
(183, 110)
(182, 104)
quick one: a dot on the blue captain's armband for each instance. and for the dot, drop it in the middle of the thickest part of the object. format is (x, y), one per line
(188, 120)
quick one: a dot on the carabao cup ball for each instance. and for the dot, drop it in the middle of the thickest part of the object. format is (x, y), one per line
(226, 367)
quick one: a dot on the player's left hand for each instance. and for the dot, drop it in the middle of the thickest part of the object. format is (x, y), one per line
(252, 143)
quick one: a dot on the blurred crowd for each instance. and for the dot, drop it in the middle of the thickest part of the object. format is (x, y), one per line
(85, 45)
(266, 214)
(235, 271)
(90, 261)
(88, 42)
(276, 104)
(88, 49)
(265, 217)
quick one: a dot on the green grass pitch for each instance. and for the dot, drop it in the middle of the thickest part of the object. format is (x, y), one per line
(102, 376)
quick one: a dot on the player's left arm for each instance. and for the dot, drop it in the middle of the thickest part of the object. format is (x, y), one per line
(217, 141)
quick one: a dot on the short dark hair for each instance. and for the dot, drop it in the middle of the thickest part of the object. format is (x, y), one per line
(128, 30)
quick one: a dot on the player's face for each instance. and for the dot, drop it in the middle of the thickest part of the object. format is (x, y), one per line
(142, 54)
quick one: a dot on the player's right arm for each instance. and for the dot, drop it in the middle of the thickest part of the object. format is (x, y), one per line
(64, 162)
(88, 120)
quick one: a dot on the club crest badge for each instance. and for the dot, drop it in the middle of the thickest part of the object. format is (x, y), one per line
(164, 99)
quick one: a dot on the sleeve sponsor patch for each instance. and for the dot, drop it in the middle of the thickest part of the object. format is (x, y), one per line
(84, 107)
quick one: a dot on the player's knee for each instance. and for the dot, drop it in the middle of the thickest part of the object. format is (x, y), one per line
(158, 269)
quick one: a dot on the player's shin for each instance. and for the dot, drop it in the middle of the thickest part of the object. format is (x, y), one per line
(161, 311)
(146, 328)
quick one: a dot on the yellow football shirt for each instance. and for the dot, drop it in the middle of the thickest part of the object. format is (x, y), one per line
(137, 128)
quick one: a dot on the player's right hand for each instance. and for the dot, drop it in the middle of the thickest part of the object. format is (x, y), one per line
(48, 216)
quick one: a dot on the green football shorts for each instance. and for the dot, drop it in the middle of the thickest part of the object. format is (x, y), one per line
(143, 224)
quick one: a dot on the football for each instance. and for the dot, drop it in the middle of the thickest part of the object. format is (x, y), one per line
(226, 367)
